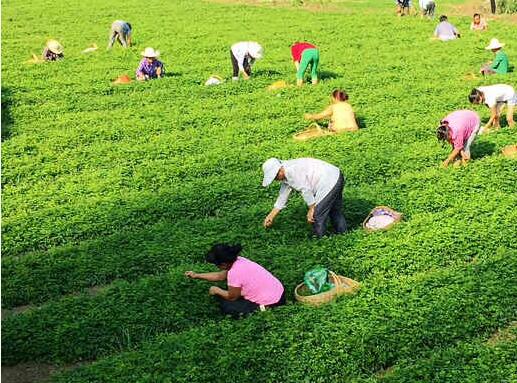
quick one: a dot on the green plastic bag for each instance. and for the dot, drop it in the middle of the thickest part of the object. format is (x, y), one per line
(317, 280)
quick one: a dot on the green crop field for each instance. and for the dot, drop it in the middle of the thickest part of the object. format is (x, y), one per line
(111, 193)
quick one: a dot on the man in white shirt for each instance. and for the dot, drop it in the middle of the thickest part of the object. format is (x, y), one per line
(321, 185)
(427, 7)
(243, 55)
(495, 97)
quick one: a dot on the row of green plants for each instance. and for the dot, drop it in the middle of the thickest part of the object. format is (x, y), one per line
(387, 322)
(37, 277)
(124, 189)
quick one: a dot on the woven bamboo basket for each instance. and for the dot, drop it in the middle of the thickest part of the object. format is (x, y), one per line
(395, 214)
(342, 285)
(313, 131)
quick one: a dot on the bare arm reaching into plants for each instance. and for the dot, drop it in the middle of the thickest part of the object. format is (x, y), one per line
(216, 276)
(327, 113)
(232, 294)
(494, 118)
(268, 221)
(454, 154)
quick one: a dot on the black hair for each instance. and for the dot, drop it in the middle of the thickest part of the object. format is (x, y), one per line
(129, 25)
(443, 18)
(223, 253)
(442, 133)
(475, 96)
(340, 95)
(477, 14)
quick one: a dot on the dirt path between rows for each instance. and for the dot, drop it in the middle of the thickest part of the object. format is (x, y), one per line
(467, 9)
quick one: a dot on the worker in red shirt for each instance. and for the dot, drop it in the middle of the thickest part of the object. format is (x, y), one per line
(304, 54)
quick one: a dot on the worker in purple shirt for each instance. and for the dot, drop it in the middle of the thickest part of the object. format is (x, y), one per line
(150, 67)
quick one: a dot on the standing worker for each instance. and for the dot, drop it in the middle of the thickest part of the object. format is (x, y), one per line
(321, 185)
(243, 55)
(121, 31)
(305, 54)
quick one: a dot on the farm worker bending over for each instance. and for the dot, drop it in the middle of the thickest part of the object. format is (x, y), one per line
(340, 113)
(403, 7)
(243, 55)
(53, 51)
(478, 24)
(321, 185)
(427, 7)
(121, 31)
(445, 31)
(459, 128)
(495, 97)
(150, 67)
(305, 54)
(500, 64)
(250, 286)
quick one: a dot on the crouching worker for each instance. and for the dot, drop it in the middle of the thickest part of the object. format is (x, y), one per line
(250, 286)
(321, 185)
(500, 65)
(150, 67)
(459, 128)
(340, 113)
(53, 51)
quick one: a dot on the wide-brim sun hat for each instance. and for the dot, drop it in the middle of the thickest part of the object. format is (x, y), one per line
(150, 52)
(494, 44)
(55, 47)
(270, 169)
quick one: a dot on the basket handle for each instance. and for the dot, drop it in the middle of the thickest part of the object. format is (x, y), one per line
(337, 280)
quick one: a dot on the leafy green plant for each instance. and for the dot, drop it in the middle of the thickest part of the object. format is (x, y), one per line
(110, 193)
(507, 6)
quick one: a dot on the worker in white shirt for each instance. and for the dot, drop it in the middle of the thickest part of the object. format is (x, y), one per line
(495, 97)
(321, 185)
(427, 7)
(243, 55)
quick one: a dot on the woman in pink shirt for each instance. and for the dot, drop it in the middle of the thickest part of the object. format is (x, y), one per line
(250, 286)
(459, 128)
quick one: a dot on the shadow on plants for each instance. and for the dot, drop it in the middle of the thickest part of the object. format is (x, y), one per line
(265, 72)
(7, 120)
(482, 149)
(356, 210)
(327, 75)
(172, 74)
(361, 122)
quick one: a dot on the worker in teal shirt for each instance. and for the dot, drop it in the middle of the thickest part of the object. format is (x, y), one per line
(500, 64)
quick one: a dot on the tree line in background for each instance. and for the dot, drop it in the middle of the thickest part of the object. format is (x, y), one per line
(506, 6)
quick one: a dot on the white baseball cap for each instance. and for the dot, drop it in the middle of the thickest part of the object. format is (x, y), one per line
(270, 169)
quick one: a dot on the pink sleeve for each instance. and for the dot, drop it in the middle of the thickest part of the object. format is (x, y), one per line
(233, 279)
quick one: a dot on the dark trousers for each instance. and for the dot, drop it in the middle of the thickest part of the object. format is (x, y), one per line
(235, 65)
(331, 207)
(242, 307)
